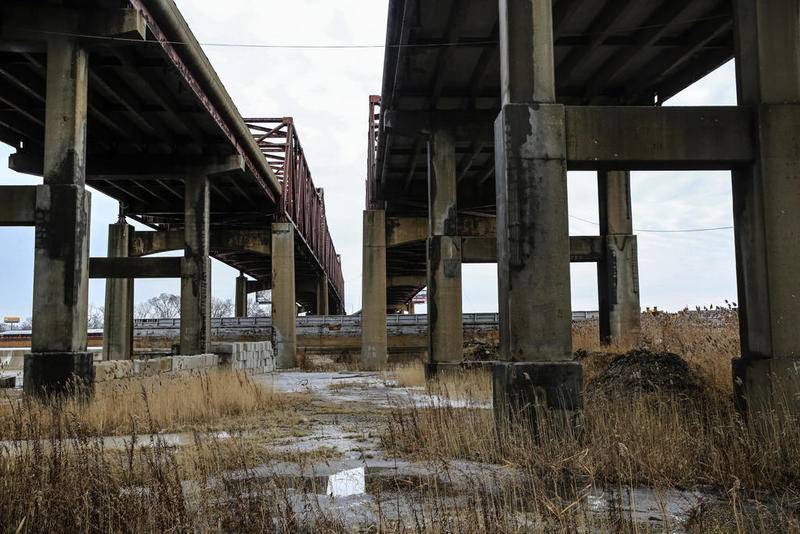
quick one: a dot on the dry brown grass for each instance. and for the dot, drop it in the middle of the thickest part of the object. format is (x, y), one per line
(169, 403)
(708, 344)
(654, 441)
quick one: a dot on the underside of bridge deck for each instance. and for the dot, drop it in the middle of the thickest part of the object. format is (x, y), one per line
(486, 104)
(118, 95)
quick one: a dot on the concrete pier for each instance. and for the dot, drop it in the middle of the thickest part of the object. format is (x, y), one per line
(766, 200)
(374, 342)
(284, 301)
(196, 269)
(445, 332)
(61, 262)
(118, 325)
(241, 296)
(532, 225)
(618, 272)
(323, 307)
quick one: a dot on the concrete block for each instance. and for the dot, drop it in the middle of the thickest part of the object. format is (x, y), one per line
(166, 364)
(138, 367)
(152, 367)
(8, 382)
(523, 392)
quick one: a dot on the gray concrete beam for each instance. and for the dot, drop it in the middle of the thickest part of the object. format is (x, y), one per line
(659, 138)
(284, 301)
(196, 269)
(255, 241)
(409, 280)
(374, 341)
(406, 230)
(118, 324)
(473, 126)
(121, 268)
(21, 20)
(137, 168)
(18, 205)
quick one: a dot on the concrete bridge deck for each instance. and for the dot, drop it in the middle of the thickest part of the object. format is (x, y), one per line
(484, 107)
(119, 96)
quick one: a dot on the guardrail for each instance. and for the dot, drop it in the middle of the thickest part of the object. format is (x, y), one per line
(333, 321)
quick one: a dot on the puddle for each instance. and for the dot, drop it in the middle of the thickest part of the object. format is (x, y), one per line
(368, 388)
(348, 483)
(645, 505)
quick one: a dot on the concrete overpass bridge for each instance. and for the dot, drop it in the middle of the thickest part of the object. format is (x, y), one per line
(118, 95)
(486, 104)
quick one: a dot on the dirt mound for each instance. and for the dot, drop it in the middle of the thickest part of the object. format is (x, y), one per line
(479, 351)
(641, 372)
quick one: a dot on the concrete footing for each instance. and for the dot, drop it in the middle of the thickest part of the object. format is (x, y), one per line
(762, 386)
(51, 374)
(537, 395)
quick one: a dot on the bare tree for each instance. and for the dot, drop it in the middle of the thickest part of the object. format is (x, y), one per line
(164, 306)
(221, 308)
(97, 316)
(254, 309)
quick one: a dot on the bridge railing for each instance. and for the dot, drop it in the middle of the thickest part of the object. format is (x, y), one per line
(310, 321)
(301, 202)
(373, 202)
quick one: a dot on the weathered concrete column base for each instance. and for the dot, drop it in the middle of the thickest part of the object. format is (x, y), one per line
(540, 396)
(762, 386)
(50, 374)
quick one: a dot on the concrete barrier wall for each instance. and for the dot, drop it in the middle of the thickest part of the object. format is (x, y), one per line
(256, 357)
(122, 369)
(252, 357)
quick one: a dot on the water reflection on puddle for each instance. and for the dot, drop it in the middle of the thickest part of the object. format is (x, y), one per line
(348, 483)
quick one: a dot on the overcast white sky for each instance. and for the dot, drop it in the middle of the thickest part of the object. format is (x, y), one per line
(326, 91)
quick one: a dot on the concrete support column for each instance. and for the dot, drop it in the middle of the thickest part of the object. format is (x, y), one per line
(58, 356)
(374, 341)
(533, 243)
(241, 296)
(618, 273)
(118, 326)
(323, 295)
(196, 269)
(445, 331)
(766, 201)
(284, 301)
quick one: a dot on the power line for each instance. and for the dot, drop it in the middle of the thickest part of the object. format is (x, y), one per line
(260, 45)
(654, 231)
(630, 29)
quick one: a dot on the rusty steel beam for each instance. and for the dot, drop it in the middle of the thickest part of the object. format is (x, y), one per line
(301, 202)
(229, 126)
